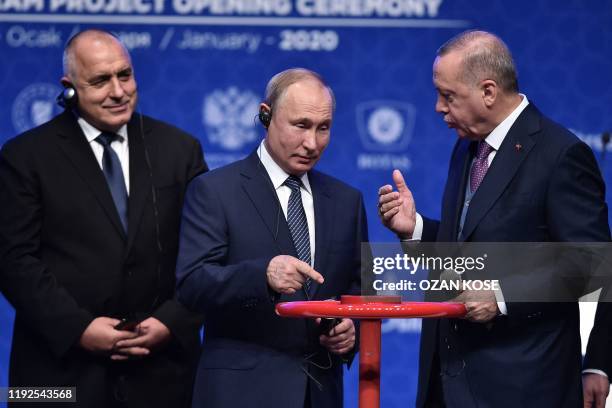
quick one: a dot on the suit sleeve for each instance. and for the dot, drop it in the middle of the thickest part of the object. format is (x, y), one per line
(197, 163)
(576, 205)
(181, 322)
(576, 212)
(361, 282)
(430, 229)
(48, 309)
(204, 280)
(363, 278)
(598, 354)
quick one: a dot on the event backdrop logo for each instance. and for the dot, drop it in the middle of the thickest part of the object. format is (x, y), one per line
(385, 128)
(35, 105)
(229, 118)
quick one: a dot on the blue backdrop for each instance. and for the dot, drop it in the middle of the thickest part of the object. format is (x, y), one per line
(203, 65)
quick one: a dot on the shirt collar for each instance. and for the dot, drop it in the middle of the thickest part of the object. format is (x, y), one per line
(91, 132)
(497, 136)
(276, 173)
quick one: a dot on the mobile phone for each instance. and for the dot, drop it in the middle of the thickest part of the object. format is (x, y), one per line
(128, 323)
(327, 324)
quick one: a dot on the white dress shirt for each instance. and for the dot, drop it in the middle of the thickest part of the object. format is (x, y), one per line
(119, 145)
(278, 177)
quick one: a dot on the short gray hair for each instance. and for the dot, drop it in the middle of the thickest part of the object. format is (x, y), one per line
(278, 84)
(485, 56)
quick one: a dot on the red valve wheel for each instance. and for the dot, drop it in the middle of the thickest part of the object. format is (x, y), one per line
(371, 309)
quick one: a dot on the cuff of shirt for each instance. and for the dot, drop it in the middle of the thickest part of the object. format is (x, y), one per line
(418, 230)
(501, 304)
(594, 371)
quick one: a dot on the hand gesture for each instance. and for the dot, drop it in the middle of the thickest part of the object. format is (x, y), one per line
(396, 209)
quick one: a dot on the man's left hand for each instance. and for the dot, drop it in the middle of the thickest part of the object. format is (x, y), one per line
(481, 305)
(152, 335)
(595, 388)
(341, 338)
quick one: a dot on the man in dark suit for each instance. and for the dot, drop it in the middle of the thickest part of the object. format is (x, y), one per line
(514, 176)
(269, 228)
(89, 235)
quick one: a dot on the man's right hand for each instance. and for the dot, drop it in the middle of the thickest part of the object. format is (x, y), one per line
(287, 274)
(396, 208)
(100, 336)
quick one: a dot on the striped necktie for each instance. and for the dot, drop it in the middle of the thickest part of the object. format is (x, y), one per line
(298, 226)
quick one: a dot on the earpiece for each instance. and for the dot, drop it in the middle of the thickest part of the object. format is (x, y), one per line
(265, 116)
(68, 98)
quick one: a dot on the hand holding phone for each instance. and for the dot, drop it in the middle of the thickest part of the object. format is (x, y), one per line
(327, 324)
(128, 323)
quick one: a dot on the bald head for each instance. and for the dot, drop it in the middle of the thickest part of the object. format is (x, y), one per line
(83, 43)
(484, 56)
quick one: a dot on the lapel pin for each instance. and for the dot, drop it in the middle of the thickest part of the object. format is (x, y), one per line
(518, 147)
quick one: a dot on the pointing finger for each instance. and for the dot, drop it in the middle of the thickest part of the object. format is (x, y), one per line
(308, 271)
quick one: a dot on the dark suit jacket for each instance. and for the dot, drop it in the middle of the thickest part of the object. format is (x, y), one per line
(547, 189)
(65, 259)
(233, 225)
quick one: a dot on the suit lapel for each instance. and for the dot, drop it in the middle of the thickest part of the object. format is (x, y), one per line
(258, 187)
(324, 217)
(513, 151)
(74, 145)
(140, 183)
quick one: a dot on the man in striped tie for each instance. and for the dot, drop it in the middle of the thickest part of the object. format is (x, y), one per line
(265, 229)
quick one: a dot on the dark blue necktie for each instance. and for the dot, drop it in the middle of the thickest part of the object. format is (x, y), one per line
(298, 226)
(111, 167)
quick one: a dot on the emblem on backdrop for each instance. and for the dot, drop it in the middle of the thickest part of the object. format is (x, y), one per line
(385, 125)
(228, 116)
(35, 105)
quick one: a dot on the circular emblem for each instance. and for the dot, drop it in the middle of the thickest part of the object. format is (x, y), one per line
(385, 125)
(35, 105)
(228, 117)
